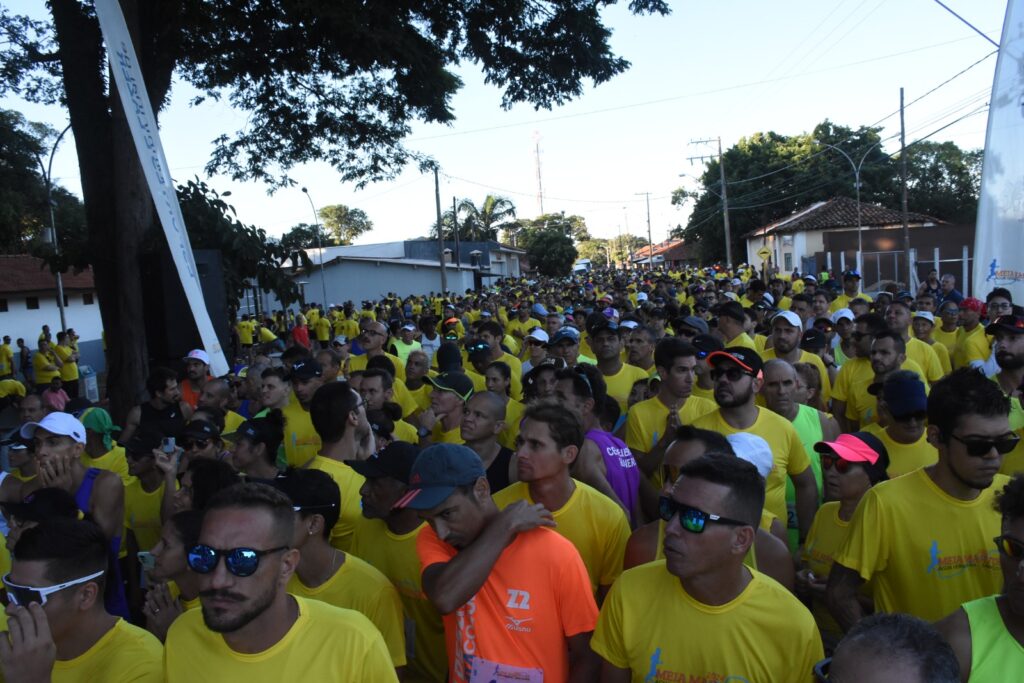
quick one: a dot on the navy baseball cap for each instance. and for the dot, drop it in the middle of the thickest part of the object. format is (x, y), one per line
(307, 368)
(903, 393)
(706, 345)
(570, 333)
(693, 322)
(395, 461)
(438, 471)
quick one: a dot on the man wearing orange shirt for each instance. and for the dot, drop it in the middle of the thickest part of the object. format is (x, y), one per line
(515, 596)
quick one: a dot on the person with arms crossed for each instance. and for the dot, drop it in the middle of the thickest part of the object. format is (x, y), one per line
(515, 596)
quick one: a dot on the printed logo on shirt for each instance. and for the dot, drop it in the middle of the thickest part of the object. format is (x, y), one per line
(465, 640)
(656, 674)
(951, 566)
(517, 624)
(518, 599)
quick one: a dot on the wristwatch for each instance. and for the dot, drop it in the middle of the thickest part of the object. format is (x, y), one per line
(422, 431)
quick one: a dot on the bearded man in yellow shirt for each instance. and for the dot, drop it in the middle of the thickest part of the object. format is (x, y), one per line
(711, 518)
(250, 628)
(924, 540)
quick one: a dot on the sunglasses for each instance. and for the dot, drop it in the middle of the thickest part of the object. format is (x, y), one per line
(687, 333)
(830, 460)
(918, 416)
(189, 444)
(857, 336)
(1009, 547)
(202, 559)
(691, 519)
(731, 374)
(24, 595)
(979, 448)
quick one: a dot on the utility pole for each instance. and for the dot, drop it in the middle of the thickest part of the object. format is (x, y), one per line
(650, 242)
(455, 230)
(48, 178)
(319, 246)
(725, 193)
(536, 160)
(440, 232)
(903, 181)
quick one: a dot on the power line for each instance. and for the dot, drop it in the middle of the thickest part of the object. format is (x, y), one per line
(972, 26)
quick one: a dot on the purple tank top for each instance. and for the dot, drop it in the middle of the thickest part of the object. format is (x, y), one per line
(623, 473)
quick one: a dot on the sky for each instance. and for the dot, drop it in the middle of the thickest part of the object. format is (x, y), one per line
(712, 69)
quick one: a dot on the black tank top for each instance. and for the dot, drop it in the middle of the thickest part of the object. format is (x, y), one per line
(497, 473)
(168, 421)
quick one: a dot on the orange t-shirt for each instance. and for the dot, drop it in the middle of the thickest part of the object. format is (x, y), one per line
(190, 395)
(536, 596)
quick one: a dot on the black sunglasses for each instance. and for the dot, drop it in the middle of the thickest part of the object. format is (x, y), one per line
(731, 374)
(189, 444)
(920, 416)
(242, 562)
(1009, 547)
(830, 460)
(691, 518)
(979, 448)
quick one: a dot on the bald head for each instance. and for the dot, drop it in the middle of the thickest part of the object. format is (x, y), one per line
(776, 367)
(490, 403)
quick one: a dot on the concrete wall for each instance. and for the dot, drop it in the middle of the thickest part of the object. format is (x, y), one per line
(19, 321)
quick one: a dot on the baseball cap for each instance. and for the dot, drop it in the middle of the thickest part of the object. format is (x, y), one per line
(61, 424)
(200, 429)
(754, 449)
(1006, 323)
(790, 317)
(903, 393)
(696, 323)
(198, 354)
(851, 274)
(862, 448)
(842, 314)
(341, 340)
(409, 326)
(972, 304)
(143, 441)
(597, 322)
(437, 472)
(307, 368)
(629, 324)
(570, 333)
(539, 310)
(641, 296)
(456, 382)
(706, 345)
(811, 278)
(539, 334)
(395, 461)
(812, 340)
(731, 309)
(43, 504)
(927, 315)
(741, 356)
(768, 298)
(736, 282)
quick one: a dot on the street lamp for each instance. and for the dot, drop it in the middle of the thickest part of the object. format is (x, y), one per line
(856, 183)
(319, 246)
(47, 178)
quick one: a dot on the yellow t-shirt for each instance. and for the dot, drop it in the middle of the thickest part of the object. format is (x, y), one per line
(970, 346)
(405, 432)
(843, 301)
(232, 421)
(815, 360)
(744, 340)
(827, 534)
(113, 460)
(266, 336)
(68, 371)
(517, 325)
(301, 442)
(925, 551)
(349, 482)
(513, 416)
(39, 362)
(245, 329)
(358, 586)
(325, 643)
(11, 387)
(904, 457)
(595, 525)
(359, 363)
(142, 513)
(763, 634)
(347, 327)
(621, 383)
(402, 397)
(395, 556)
(947, 339)
(438, 435)
(790, 457)
(322, 328)
(421, 397)
(1014, 460)
(124, 653)
(646, 420)
(6, 360)
(924, 355)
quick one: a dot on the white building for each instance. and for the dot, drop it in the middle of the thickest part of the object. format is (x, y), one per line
(28, 300)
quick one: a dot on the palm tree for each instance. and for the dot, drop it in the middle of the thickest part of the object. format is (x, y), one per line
(483, 222)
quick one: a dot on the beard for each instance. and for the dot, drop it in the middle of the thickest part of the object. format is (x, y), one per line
(733, 398)
(221, 623)
(1009, 361)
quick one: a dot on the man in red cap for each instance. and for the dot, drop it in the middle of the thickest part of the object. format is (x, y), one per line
(972, 347)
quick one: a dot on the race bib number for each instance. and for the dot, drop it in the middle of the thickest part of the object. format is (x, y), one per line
(486, 671)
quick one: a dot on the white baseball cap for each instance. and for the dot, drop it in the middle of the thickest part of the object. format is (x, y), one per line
(539, 334)
(642, 296)
(754, 449)
(790, 317)
(409, 326)
(629, 324)
(199, 355)
(842, 314)
(769, 298)
(926, 315)
(62, 424)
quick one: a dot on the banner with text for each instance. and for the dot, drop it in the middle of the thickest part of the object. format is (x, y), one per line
(142, 122)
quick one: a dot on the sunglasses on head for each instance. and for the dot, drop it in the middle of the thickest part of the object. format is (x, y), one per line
(731, 374)
(979, 448)
(24, 595)
(690, 518)
(202, 559)
(1009, 547)
(830, 460)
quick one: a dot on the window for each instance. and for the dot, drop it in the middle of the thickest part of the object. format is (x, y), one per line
(788, 256)
(87, 299)
(32, 303)
(3, 305)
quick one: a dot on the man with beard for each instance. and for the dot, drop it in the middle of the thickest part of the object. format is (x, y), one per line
(607, 346)
(737, 375)
(786, 333)
(972, 346)
(197, 373)
(888, 353)
(640, 349)
(164, 412)
(1008, 333)
(373, 340)
(249, 627)
(923, 539)
(898, 318)
(301, 441)
(987, 634)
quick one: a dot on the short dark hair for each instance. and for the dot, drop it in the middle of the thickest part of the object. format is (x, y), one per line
(670, 348)
(158, 379)
(387, 380)
(746, 486)
(329, 409)
(315, 492)
(279, 372)
(187, 525)
(896, 337)
(906, 638)
(70, 548)
(965, 391)
(269, 432)
(998, 291)
(801, 296)
(874, 322)
(1010, 501)
(254, 496)
(565, 425)
(492, 327)
(209, 477)
(822, 292)
(713, 441)
(381, 362)
(294, 354)
(587, 382)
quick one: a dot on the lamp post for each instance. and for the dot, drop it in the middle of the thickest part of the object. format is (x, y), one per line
(320, 247)
(52, 237)
(856, 184)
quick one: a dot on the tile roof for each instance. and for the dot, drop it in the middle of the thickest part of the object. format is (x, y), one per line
(839, 212)
(659, 248)
(24, 273)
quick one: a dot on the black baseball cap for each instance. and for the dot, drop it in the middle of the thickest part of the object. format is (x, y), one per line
(200, 429)
(307, 368)
(707, 344)
(395, 461)
(741, 356)
(598, 322)
(437, 472)
(1006, 323)
(456, 382)
(731, 309)
(812, 340)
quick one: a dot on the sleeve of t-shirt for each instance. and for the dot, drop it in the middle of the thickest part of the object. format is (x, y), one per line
(932, 368)
(866, 549)
(576, 605)
(798, 460)
(616, 537)
(841, 389)
(634, 435)
(608, 641)
(432, 550)
(376, 662)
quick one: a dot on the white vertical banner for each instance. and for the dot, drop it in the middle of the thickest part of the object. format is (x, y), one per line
(999, 237)
(142, 122)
